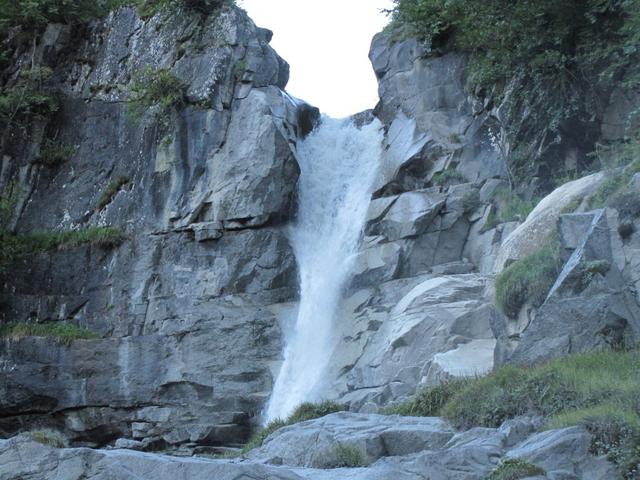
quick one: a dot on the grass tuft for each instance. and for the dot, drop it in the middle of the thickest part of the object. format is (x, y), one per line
(104, 237)
(65, 333)
(528, 280)
(344, 456)
(306, 411)
(448, 177)
(112, 189)
(428, 402)
(515, 469)
(49, 437)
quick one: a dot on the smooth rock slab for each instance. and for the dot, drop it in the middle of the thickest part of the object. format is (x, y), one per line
(308, 444)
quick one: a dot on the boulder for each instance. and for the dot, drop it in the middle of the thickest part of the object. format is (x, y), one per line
(541, 222)
(308, 444)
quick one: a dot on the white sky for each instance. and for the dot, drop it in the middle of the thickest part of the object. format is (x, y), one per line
(326, 43)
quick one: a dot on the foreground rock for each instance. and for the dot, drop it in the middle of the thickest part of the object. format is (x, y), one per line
(404, 448)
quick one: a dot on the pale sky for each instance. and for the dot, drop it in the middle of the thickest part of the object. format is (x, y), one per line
(326, 43)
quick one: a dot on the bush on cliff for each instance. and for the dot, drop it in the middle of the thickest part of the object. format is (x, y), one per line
(553, 63)
(528, 280)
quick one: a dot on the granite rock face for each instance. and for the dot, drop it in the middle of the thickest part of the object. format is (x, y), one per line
(188, 306)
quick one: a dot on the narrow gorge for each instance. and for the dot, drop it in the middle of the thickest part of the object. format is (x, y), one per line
(204, 277)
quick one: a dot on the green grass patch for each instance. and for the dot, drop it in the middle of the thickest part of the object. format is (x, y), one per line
(598, 390)
(49, 437)
(528, 280)
(344, 456)
(515, 469)
(65, 333)
(428, 402)
(112, 189)
(54, 154)
(448, 177)
(104, 237)
(152, 87)
(16, 247)
(624, 162)
(511, 206)
(306, 411)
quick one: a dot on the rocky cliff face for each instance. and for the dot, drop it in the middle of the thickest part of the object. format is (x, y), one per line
(189, 307)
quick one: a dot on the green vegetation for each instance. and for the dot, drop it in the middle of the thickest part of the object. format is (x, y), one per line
(471, 200)
(112, 189)
(155, 88)
(104, 237)
(239, 69)
(428, 402)
(54, 154)
(25, 99)
(35, 14)
(306, 411)
(63, 332)
(511, 206)
(528, 280)
(344, 456)
(553, 63)
(16, 247)
(515, 469)
(598, 390)
(49, 437)
(450, 176)
(148, 8)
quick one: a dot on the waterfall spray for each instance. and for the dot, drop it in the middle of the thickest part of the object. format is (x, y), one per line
(338, 163)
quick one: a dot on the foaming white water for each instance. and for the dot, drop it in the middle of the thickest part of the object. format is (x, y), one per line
(338, 163)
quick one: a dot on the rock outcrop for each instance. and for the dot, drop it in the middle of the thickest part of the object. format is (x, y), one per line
(394, 447)
(188, 309)
(188, 305)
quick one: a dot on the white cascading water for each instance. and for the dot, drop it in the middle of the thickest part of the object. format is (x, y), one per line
(338, 163)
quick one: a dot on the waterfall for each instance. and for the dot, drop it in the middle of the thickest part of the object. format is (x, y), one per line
(338, 163)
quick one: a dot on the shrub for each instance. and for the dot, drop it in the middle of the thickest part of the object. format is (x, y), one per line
(450, 176)
(616, 433)
(49, 437)
(515, 469)
(35, 14)
(306, 411)
(27, 98)
(54, 154)
(553, 62)
(471, 201)
(511, 206)
(428, 402)
(65, 333)
(626, 228)
(528, 280)
(589, 270)
(155, 88)
(112, 189)
(343, 456)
